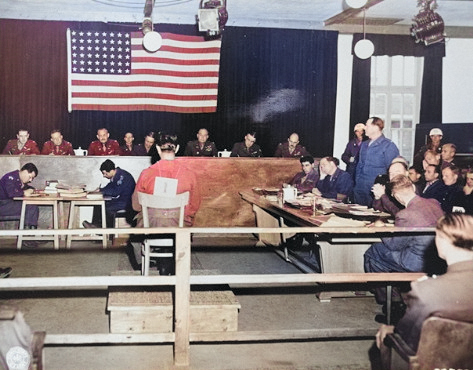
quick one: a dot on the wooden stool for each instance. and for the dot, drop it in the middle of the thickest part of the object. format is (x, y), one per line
(40, 202)
(72, 221)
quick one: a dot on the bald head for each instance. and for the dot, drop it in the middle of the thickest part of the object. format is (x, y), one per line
(293, 140)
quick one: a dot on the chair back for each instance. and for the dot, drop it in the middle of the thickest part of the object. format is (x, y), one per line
(445, 344)
(163, 202)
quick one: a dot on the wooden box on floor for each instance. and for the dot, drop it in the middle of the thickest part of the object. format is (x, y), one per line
(152, 312)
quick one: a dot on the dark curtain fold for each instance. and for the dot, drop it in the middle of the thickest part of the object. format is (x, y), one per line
(360, 91)
(271, 80)
(390, 45)
(431, 98)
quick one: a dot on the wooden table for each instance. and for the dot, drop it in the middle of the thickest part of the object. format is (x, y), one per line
(39, 201)
(338, 252)
(60, 220)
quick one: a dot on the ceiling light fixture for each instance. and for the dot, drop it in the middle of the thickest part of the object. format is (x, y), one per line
(212, 16)
(428, 26)
(356, 4)
(364, 49)
(152, 40)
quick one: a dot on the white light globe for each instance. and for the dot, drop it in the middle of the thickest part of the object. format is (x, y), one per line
(152, 41)
(356, 3)
(364, 49)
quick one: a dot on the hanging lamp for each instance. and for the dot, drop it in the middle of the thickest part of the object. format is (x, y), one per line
(364, 49)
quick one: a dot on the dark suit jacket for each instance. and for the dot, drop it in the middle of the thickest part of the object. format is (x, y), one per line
(449, 295)
(436, 191)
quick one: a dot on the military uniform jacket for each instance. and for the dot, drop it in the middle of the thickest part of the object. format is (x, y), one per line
(64, 149)
(30, 147)
(240, 150)
(97, 148)
(193, 149)
(283, 151)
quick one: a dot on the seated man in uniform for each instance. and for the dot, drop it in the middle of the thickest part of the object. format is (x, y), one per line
(104, 145)
(201, 147)
(291, 148)
(247, 148)
(307, 179)
(57, 145)
(337, 184)
(120, 188)
(21, 145)
(16, 184)
(167, 167)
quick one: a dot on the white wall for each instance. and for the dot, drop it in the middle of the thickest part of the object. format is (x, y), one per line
(457, 86)
(342, 112)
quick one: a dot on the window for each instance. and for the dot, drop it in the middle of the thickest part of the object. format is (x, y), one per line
(395, 97)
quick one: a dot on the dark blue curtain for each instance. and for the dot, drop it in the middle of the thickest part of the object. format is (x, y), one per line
(273, 81)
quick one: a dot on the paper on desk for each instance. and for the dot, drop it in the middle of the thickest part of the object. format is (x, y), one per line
(335, 221)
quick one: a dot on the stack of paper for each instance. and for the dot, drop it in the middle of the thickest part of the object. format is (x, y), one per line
(71, 191)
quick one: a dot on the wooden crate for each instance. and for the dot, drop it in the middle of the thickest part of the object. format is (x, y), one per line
(152, 312)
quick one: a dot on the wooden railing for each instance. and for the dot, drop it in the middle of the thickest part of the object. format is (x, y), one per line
(183, 280)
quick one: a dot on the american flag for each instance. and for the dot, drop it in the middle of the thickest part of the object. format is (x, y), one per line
(112, 71)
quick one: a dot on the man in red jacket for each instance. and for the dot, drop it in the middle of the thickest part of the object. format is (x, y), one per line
(104, 145)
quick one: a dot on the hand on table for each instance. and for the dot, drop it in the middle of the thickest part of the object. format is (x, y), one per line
(28, 192)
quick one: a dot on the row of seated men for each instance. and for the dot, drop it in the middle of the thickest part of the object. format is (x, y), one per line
(201, 147)
(449, 295)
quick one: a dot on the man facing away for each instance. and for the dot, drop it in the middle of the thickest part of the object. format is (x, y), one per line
(119, 189)
(247, 148)
(57, 145)
(167, 167)
(307, 179)
(15, 184)
(201, 147)
(337, 184)
(104, 145)
(21, 145)
(376, 154)
(291, 148)
(449, 295)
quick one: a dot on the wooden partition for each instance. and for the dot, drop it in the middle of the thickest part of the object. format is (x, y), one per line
(220, 179)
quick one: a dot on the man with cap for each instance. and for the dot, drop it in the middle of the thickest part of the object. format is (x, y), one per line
(352, 150)
(434, 142)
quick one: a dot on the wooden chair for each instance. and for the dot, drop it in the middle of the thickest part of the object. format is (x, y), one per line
(146, 201)
(15, 331)
(443, 344)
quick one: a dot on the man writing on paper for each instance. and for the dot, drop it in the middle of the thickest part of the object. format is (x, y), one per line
(170, 168)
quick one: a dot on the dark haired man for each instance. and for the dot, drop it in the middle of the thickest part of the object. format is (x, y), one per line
(16, 184)
(247, 148)
(167, 167)
(119, 189)
(307, 179)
